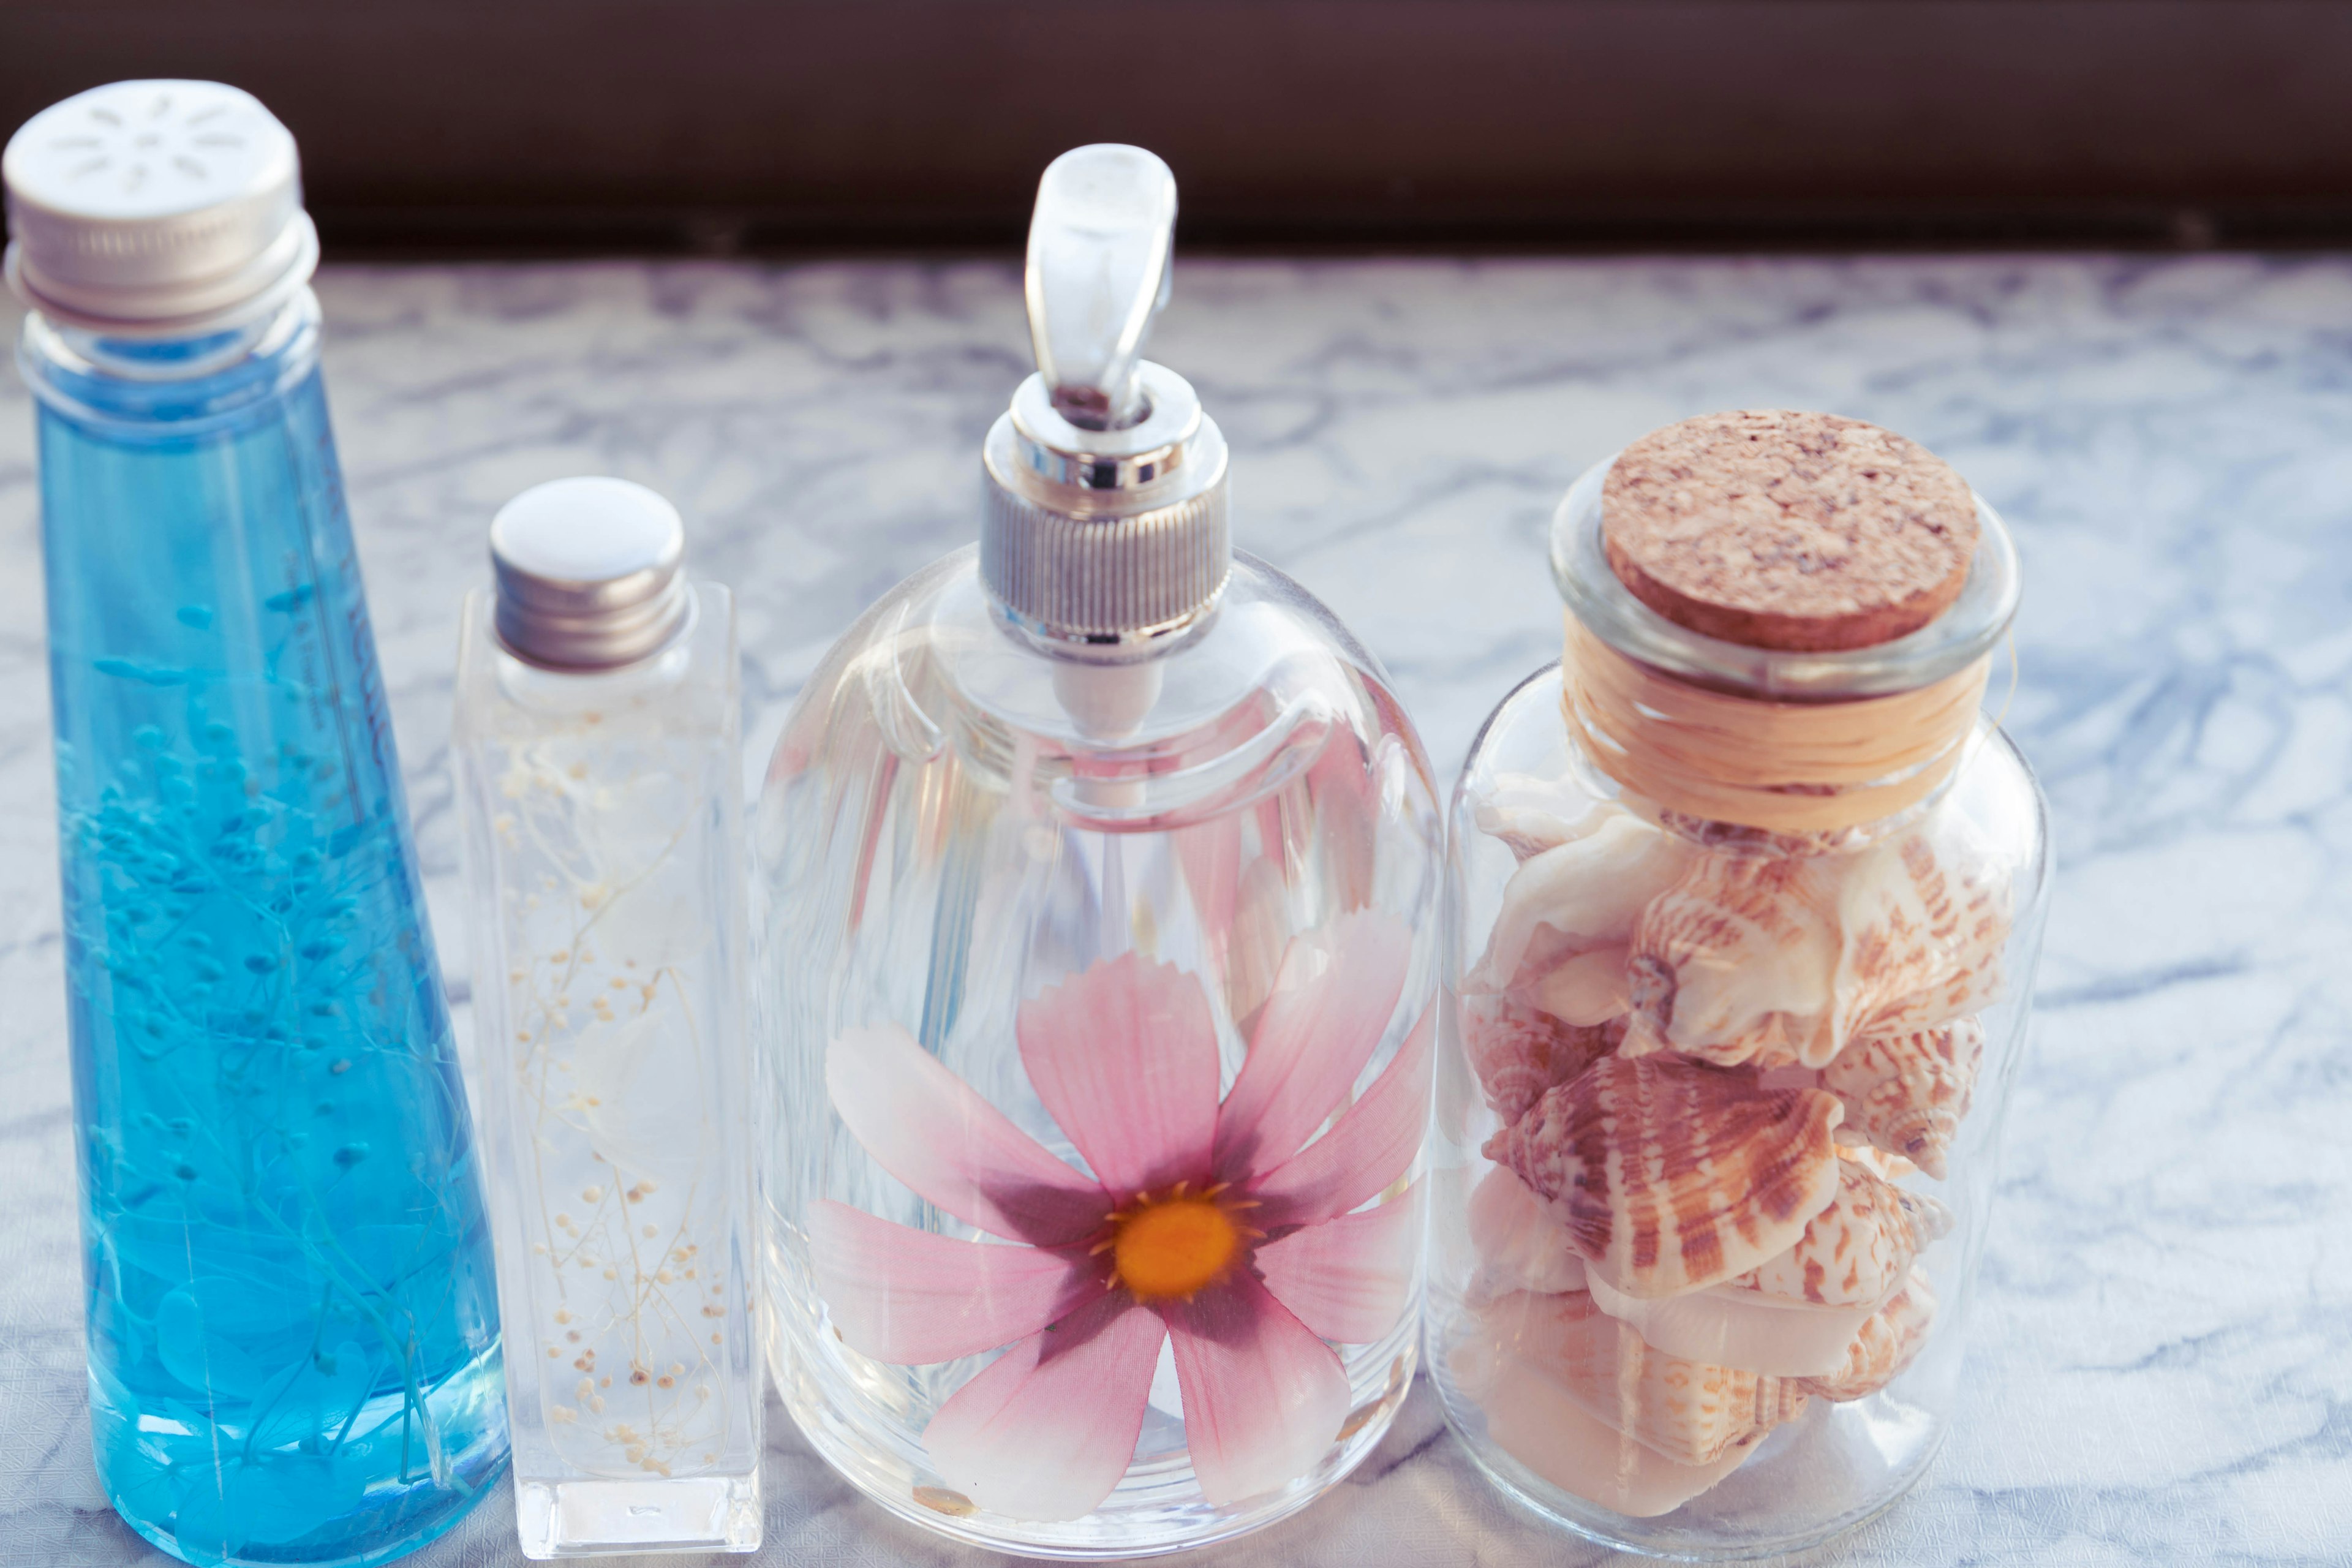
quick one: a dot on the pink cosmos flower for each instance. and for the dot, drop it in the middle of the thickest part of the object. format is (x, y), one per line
(1217, 1226)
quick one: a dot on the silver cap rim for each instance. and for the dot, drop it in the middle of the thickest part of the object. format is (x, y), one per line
(580, 622)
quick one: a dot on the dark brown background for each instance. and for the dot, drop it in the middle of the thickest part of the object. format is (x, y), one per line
(522, 126)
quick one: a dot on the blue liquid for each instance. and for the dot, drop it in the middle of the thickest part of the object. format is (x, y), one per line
(292, 1321)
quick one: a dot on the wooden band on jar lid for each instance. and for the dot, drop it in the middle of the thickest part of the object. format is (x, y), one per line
(1785, 767)
(1801, 532)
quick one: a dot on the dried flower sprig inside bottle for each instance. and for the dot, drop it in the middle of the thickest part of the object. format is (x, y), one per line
(598, 737)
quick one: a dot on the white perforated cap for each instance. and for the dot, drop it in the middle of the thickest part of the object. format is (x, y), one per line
(155, 207)
(588, 572)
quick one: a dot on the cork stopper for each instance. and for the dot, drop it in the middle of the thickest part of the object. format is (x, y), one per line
(1778, 529)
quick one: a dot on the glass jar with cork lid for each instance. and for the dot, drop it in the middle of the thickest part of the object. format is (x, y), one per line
(1743, 905)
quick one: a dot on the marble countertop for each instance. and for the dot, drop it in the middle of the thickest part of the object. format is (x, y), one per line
(2161, 1364)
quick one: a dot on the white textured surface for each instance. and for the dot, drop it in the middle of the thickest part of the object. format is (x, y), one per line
(2161, 1368)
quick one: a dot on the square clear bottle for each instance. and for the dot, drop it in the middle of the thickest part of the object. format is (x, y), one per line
(598, 747)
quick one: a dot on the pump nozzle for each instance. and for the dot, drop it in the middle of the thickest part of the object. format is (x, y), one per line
(1098, 249)
(1106, 530)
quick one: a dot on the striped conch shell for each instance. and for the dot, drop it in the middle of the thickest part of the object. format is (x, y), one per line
(1672, 1176)
(1518, 1051)
(1579, 895)
(1797, 1314)
(1905, 1093)
(1778, 960)
(1858, 1249)
(1924, 920)
(1737, 962)
(1531, 815)
(1687, 1411)
(1886, 1345)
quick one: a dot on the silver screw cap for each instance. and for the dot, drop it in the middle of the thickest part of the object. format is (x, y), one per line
(588, 573)
(157, 208)
(1106, 528)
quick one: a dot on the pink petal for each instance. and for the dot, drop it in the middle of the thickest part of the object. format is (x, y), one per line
(1371, 1144)
(1264, 1398)
(1047, 1429)
(1344, 787)
(1125, 1057)
(910, 1298)
(1350, 1278)
(1210, 854)
(1330, 1005)
(925, 1126)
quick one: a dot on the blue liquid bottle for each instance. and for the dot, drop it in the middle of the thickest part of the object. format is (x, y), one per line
(292, 1321)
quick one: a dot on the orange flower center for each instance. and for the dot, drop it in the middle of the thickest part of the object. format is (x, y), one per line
(1174, 1245)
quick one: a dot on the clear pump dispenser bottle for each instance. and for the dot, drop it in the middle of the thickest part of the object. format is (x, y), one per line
(598, 744)
(1096, 878)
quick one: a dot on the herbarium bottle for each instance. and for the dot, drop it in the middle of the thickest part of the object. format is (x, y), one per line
(1097, 871)
(293, 1333)
(598, 738)
(1743, 902)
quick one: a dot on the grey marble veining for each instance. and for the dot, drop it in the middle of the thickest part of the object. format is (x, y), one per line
(2161, 1364)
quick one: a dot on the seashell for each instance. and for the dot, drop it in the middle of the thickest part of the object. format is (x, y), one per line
(1588, 989)
(1885, 1346)
(1924, 920)
(1743, 839)
(1531, 1418)
(1858, 1249)
(1778, 960)
(1673, 1176)
(1877, 1162)
(1689, 1412)
(1734, 1326)
(1797, 1314)
(1518, 1051)
(1737, 962)
(1905, 1093)
(1522, 1246)
(1579, 895)
(1531, 815)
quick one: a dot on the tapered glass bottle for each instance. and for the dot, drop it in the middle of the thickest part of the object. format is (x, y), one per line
(292, 1331)
(1739, 943)
(600, 767)
(1095, 870)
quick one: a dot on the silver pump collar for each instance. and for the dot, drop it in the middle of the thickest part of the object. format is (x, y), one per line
(1106, 530)
(590, 575)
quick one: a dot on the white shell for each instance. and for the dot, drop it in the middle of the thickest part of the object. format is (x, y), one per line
(1582, 894)
(1690, 1412)
(1531, 1416)
(1588, 989)
(1737, 1327)
(1532, 814)
(1522, 1245)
